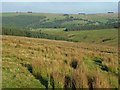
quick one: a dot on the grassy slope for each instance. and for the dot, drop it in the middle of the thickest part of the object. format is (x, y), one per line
(99, 17)
(90, 36)
(96, 36)
(102, 17)
(20, 54)
(90, 16)
(51, 57)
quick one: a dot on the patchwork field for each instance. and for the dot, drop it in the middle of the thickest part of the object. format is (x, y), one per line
(43, 63)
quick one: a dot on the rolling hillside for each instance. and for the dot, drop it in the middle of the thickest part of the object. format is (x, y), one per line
(48, 50)
(43, 63)
(90, 28)
(51, 20)
(104, 36)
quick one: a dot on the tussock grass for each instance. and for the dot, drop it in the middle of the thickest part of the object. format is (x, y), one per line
(42, 63)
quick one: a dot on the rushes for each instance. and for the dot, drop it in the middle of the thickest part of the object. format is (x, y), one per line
(54, 63)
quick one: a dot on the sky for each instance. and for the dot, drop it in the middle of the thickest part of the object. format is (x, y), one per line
(60, 7)
(59, 0)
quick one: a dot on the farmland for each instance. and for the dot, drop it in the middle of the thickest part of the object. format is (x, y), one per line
(72, 22)
(45, 50)
(90, 36)
(69, 27)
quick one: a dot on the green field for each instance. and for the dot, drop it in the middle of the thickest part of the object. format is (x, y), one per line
(53, 26)
(92, 36)
(32, 20)
(97, 17)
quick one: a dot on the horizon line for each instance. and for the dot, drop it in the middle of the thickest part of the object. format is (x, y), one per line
(109, 12)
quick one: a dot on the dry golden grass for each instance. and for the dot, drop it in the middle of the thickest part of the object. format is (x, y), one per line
(51, 58)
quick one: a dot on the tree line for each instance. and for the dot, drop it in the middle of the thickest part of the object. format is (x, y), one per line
(27, 33)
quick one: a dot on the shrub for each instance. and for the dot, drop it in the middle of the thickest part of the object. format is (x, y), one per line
(90, 82)
(67, 81)
(98, 60)
(52, 81)
(105, 68)
(66, 29)
(74, 64)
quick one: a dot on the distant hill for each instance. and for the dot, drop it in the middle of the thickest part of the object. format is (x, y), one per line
(69, 21)
(92, 28)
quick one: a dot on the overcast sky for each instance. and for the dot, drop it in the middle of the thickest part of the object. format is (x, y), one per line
(60, 7)
(59, 0)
